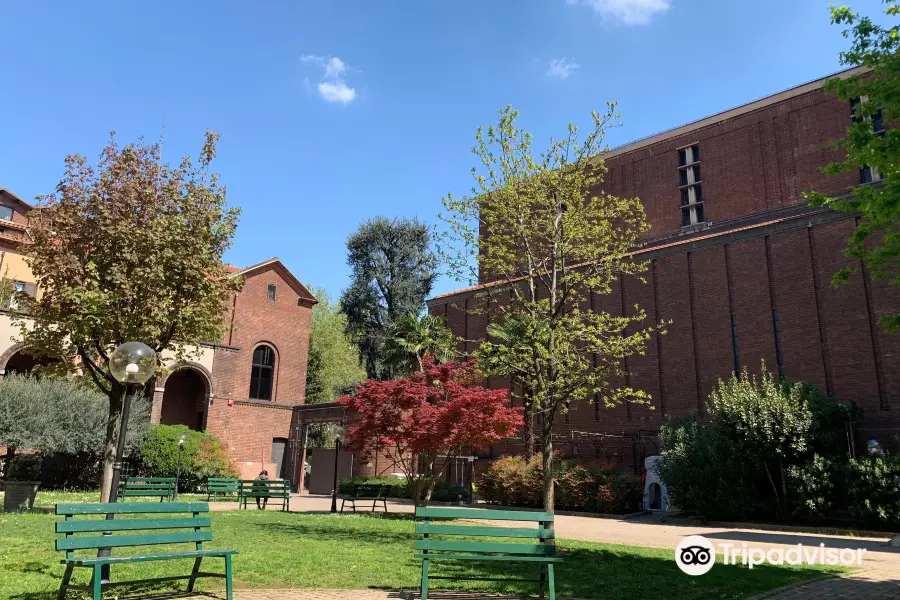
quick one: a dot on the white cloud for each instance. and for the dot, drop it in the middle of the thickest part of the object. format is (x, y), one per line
(627, 12)
(332, 85)
(336, 92)
(561, 67)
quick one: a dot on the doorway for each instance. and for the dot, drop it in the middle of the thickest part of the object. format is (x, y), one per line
(278, 446)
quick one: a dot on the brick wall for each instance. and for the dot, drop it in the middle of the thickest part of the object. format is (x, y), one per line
(248, 428)
(255, 320)
(756, 285)
(829, 337)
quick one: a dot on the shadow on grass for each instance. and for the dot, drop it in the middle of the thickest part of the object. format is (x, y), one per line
(124, 592)
(621, 575)
(786, 539)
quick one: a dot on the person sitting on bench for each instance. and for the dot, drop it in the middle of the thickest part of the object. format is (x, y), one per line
(263, 476)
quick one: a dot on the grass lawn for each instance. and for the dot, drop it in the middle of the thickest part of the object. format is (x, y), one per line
(281, 550)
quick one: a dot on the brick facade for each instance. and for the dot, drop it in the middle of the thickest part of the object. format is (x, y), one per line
(760, 268)
(247, 426)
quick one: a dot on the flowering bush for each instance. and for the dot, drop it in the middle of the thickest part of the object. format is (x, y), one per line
(513, 481)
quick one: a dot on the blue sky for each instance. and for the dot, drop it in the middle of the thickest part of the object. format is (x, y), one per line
(332, 112)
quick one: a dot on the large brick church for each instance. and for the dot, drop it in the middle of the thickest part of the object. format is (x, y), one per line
(241, 388)
(742, 266)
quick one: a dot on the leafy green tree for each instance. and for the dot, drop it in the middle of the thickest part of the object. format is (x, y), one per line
(413, 338)
(333, 366)
(875, 243)
(538, 229)
(128, 250)
(59, 416)
(393, 269)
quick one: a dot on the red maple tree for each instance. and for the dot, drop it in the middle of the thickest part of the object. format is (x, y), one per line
(428, 419)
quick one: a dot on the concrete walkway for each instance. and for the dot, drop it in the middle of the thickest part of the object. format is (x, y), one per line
(878, 578)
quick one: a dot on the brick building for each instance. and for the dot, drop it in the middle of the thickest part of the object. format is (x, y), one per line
(242, 388)
(743, 267)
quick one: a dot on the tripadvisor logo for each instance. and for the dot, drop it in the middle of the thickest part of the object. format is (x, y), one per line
(695, 555)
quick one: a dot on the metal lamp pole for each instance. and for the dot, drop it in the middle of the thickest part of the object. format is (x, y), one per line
(337, 453)
(132, 363)
(181, 440)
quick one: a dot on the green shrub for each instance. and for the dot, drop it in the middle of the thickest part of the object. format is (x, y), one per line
(756, 456)
(816, 487)
(25, 467)
(203, 456)
(397, 488)
(513, 481)
(873, 490)
(705, 471)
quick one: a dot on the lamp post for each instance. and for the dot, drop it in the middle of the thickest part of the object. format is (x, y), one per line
(132, 364)
(181, 440)
(339, 438)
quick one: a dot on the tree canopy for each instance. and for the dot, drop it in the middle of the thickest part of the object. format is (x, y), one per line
(872, 149)
(540, 228)
(333, 367)
(393, 269)
(428, 419)
(129, 250)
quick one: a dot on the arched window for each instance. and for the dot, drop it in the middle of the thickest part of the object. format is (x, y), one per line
(261, 375)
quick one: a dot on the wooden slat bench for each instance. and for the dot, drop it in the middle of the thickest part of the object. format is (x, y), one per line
(164, 523)
(216, 486)
(147, 487)
(279, 489)
(367, 491)
(538, 543)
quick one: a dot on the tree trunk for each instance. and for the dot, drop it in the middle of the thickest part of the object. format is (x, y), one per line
(549, 493)
(112, 435)
(528, 437)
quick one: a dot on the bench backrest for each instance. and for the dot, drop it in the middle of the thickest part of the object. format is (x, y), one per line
(164, 523)
(537, 540)
(147, 486)
(370, 490)
(265, 487)
(223, 484)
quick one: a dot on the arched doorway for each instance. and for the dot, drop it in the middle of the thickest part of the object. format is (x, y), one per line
(185, 399)
(23, 363)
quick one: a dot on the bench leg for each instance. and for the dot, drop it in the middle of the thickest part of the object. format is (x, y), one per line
(97, 582)
(543, 580)
(343, 501)
(552, 582)
(196, 569)
(384, 500)
(229, 592)
(65, 582)
(424, 579)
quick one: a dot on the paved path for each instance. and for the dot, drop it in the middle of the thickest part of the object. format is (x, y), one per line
(878, 579)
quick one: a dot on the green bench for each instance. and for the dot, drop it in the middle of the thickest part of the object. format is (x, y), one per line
(162, 524)
(366, 492)
(224, 486)
(266, 489)
(147, 487)
(536, 544)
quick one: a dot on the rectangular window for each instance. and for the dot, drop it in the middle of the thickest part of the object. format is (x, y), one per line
(270, 292)
(868, 174)
(6, 213)
(690, 185)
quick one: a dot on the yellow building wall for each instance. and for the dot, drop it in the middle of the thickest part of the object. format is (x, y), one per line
(13, 266)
